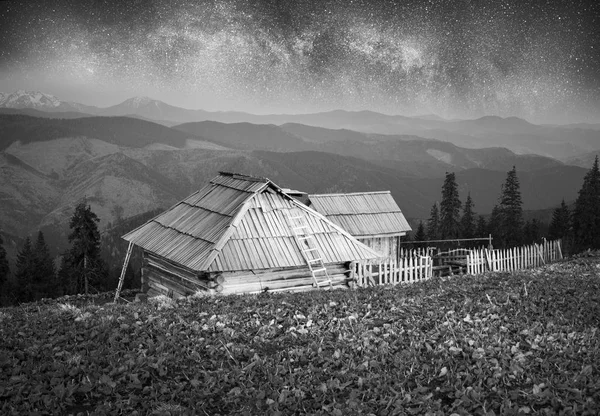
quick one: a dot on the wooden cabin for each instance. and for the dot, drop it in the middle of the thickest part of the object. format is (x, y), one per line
(374, 218)
(243, 234)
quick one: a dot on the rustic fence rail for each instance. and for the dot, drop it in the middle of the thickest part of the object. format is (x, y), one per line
(392, 271)
(421, 264)
(518, 258)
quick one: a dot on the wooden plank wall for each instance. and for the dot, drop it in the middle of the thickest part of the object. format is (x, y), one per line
(387, 246)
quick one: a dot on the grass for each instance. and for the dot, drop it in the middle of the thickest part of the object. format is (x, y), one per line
(523, 343)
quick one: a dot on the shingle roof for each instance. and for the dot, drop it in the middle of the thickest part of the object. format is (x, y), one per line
(238, 222)
(362, 214)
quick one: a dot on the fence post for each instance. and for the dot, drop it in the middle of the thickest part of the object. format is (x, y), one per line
(558, 244)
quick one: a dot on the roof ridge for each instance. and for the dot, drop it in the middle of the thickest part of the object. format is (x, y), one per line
(244, 177)
(351, 193)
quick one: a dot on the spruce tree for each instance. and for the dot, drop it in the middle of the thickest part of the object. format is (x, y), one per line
(586, 215)
(433, 223)
(511, 209)
(24, 273)
(561, 222)
(67, 275)
(495, 227)
(44, 273)
(420, 234)
(531, 231)
(85, 247)
(467, 222)
(482, 227)
(450, 209)
(4, 268)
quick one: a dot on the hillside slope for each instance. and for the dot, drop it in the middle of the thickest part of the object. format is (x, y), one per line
(122, 131)
(412, 155)
(507, 343)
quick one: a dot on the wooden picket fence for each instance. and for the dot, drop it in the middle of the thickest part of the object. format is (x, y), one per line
(415, 267)
(391, 271)
(518, 258)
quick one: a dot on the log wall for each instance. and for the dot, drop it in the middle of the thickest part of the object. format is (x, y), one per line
(292, 279)
(162, 277)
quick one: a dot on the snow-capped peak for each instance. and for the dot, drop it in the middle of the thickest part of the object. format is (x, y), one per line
(29, 99)
(137, 102)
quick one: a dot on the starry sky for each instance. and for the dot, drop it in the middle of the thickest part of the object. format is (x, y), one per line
(539, 60)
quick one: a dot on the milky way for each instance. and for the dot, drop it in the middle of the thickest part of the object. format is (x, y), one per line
(537, 60)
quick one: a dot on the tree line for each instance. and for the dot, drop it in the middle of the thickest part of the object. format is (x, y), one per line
(579, 229)
(93, 263)
(81, 269)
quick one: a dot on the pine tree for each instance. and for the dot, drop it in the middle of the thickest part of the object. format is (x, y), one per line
(561, 222)
(420, 234)
(450, 208)
(531, 231)
(495, 226)
(4, 268)
(586, 215)
(467, 222)
(24, 273)
(511, 209)
(482, 227)
(85, 247)
(433, 223)
(44, 273)
(67, 276)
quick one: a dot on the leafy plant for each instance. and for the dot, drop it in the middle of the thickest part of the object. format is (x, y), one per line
(499, 343)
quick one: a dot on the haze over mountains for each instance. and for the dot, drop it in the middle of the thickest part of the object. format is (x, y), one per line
(518, 135)
(143, 154)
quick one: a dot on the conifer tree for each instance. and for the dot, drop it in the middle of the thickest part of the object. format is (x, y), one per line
(433, 223)
(561, 222)
(24, 273)
(586, 215)
(420, 234)
(4, 268)
(482, 227)
(531, 231)
(44, 274)
(67, 275)
(85, 247)
(450, 208)
(467, 222)
(511, 209)
(495, 227)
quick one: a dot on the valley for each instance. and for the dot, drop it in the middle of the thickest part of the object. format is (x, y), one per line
(125, 164)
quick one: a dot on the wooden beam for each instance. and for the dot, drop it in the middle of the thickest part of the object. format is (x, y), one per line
(122, 277)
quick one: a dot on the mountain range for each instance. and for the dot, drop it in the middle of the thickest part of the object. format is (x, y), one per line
(124, 164)
(518, 135)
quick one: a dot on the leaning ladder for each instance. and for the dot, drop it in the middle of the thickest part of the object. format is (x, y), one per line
(308, 247)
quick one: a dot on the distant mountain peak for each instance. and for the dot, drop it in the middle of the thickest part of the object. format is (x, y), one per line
(29, 99)
(137, 102)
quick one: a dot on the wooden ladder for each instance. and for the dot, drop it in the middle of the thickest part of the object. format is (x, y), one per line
(308, 247)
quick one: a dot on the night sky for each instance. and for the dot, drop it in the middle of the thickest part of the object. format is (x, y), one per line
(538, 60)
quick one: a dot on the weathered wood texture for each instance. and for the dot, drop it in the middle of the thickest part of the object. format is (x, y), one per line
(508, 260)
(386, 246)
(416, 267)
(162, 277)
(392, 271)
(285, 279)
